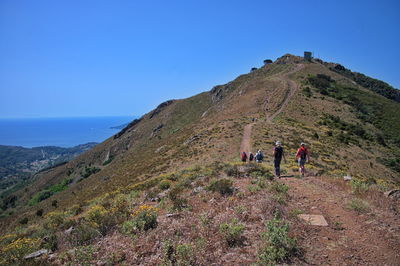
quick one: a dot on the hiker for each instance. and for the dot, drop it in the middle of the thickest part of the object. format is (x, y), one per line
(278, 154)
(243, 156)
(259, 156)
(302, 157)
(251, 156)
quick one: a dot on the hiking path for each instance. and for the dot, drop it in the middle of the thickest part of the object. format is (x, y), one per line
(291, 88)
(370, 237)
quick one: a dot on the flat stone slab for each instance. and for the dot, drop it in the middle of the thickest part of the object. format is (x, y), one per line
(313, 219)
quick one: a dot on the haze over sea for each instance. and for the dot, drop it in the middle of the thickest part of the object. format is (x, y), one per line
(62, 132)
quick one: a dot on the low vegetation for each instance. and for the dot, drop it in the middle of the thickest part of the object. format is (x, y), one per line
(232, 232)
(278, 246)
(47, 193)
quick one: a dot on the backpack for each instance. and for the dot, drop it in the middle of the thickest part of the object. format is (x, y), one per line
(278, 152)
(259, 156)
(303, 153)
(251, 157)
(244, 156)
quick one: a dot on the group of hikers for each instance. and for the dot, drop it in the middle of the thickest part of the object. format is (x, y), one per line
(302, 156)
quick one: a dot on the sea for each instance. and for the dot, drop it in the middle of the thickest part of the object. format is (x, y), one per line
(61, 132)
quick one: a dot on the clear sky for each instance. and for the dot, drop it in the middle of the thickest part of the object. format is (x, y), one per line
(104, 58)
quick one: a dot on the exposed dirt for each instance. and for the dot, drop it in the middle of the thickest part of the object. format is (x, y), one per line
(291, 89)
(245, 144)
(370, 238)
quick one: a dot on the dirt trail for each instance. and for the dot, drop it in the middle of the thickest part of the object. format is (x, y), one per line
(350, 239)
(245, 144)
(292, 88)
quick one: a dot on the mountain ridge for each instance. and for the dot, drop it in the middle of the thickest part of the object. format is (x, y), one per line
(195, 142)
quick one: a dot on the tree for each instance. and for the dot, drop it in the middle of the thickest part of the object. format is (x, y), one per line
(253, 69)
(267, 61)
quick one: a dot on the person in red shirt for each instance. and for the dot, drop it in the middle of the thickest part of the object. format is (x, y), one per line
(302, 156)
(243, 156)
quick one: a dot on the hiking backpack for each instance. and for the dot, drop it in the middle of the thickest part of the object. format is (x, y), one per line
(303, 153)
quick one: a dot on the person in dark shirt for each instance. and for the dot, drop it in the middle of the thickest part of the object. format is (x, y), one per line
(278, 154)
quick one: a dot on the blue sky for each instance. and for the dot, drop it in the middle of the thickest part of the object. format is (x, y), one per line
(105, 58)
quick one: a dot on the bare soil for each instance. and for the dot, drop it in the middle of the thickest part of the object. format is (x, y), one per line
(370, 238)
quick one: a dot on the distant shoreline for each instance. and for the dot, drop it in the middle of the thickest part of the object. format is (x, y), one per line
(65, 132)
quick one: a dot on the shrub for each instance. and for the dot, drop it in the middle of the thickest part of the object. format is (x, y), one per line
(280, 191)
(128, 228)
(178, 203)
(84, 255)
(24, 220)
(17, 249)
(380, 140)
(89, 171)
(47, 193)
(223, 186)
(83, 234)
(358, 205)
(144, 218)
(164, 184)
(120, 206)
(109, 160)
(257, 170)
(54, 219)
(39, 212)
(358, 186)
(184, 255)
(96, 214)
(307, 92)
(278, 246)
(76, 209)
(232, 232)
(232, 170)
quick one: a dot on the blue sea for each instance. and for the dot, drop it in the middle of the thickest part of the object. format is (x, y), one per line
(62, 132)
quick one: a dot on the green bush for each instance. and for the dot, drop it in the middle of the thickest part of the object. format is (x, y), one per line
(164, 184)
(393, 163)
(232, 232)
(53, 220)
(278, 246)
(39, 212)
(47, 193)
(128, 228)
(258, 171)
(321, 82)
(232, 170)
(358, 186)
(178, 203)
(83, 234)
(24, 220)
(144, 218)
(89, 171)
(307, 92)
(358, 205)
(280, 191)
(223, 186)
(109, 160)
(184, 255)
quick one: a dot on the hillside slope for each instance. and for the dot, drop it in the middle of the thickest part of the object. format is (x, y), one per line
(181, 158)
